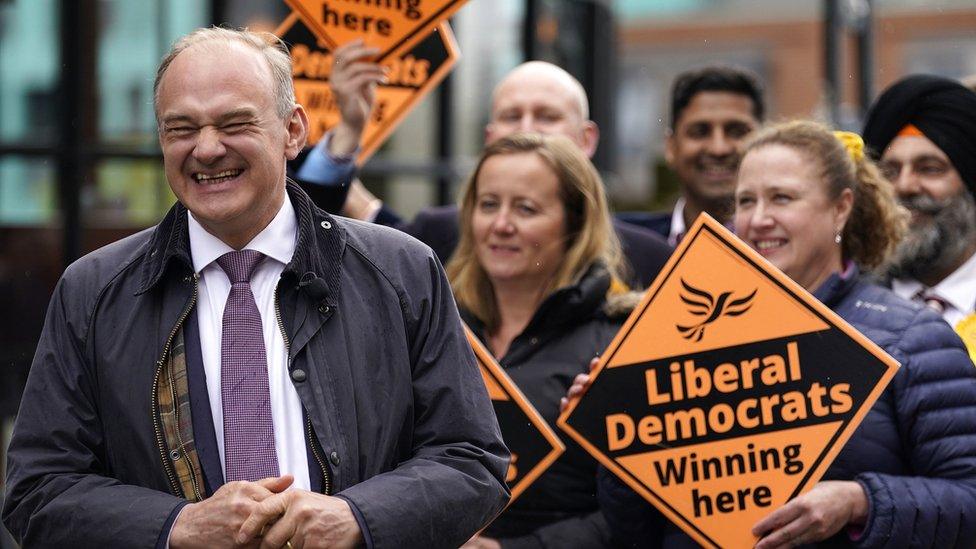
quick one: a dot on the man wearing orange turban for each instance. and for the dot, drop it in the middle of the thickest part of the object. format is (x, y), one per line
(923, 128)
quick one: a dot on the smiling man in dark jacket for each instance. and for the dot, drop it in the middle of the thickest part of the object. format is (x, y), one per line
(251, 367)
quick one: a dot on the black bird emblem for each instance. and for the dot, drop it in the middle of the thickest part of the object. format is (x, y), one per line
(702, 303)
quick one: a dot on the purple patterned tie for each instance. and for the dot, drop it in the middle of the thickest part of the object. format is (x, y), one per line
(249, 445)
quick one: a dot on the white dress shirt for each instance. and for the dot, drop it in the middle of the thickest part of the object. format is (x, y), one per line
(678, 228)
(277, 242)
(958, 290)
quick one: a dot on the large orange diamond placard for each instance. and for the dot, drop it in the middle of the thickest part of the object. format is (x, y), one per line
(412, 75)
(532, 442)
(728, 391)
(389, 25)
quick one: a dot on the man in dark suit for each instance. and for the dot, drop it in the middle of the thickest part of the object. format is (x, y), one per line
(713, 110)
(535, 96)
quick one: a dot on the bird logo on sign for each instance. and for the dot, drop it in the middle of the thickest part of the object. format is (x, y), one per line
(703, 304)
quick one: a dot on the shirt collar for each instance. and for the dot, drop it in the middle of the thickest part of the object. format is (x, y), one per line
(276, 241)
(678, 227)
(906, 288)
(957, 289)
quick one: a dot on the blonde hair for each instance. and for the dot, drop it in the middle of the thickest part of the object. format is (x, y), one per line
(590, 237)
(877, 222)
(273, 49)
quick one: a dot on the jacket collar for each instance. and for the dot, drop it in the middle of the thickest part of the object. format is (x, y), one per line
(581, 300)
(168, 245)
(315, 264)
(838, 285)
(570, 304)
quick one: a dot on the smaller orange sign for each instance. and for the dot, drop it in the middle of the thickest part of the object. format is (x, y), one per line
(389, 25)
(532, 442)
(728, 391)
(411, 75)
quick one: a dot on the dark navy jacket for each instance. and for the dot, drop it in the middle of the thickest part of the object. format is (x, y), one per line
(914, 453)
(328, 194)
(658, 222)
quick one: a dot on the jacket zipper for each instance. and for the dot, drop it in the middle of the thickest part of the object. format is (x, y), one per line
(160, 442)
(326, 476)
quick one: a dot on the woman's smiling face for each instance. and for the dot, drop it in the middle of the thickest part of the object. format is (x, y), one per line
(783, 211)
(519, 220)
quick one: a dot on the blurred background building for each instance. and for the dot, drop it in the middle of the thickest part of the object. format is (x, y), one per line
(808, 55)
(80, 166)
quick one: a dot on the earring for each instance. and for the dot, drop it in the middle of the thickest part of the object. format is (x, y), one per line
(837, 238)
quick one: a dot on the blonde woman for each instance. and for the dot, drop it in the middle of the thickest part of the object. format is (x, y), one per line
(535, 265)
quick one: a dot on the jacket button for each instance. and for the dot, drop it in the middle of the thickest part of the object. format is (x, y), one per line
(334, 458)
(326, 225)
(298, 375)
(534, 341)
(174, 455)
(324, 309)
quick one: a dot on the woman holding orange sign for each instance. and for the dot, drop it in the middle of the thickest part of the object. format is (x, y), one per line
(536, 273)
(810, 202)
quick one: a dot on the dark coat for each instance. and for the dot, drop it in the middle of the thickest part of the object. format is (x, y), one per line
(328, 195)
(388, 382)
(571, 326)
(656, 222)
(914, 454)
(645, 251)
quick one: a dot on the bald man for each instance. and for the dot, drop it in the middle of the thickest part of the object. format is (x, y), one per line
(540, 97)
(535, 96)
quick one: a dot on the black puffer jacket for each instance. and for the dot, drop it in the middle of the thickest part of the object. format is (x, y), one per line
(571, 326)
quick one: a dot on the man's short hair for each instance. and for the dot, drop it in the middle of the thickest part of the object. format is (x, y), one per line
(273, 48)
(716, 78)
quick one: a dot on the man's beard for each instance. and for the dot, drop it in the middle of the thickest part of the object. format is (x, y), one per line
(719, 203)
(935, 244)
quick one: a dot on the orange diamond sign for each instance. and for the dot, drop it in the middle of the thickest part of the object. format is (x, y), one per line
(533, 443)
(412, 75)
(729, 390)
(389, 25)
